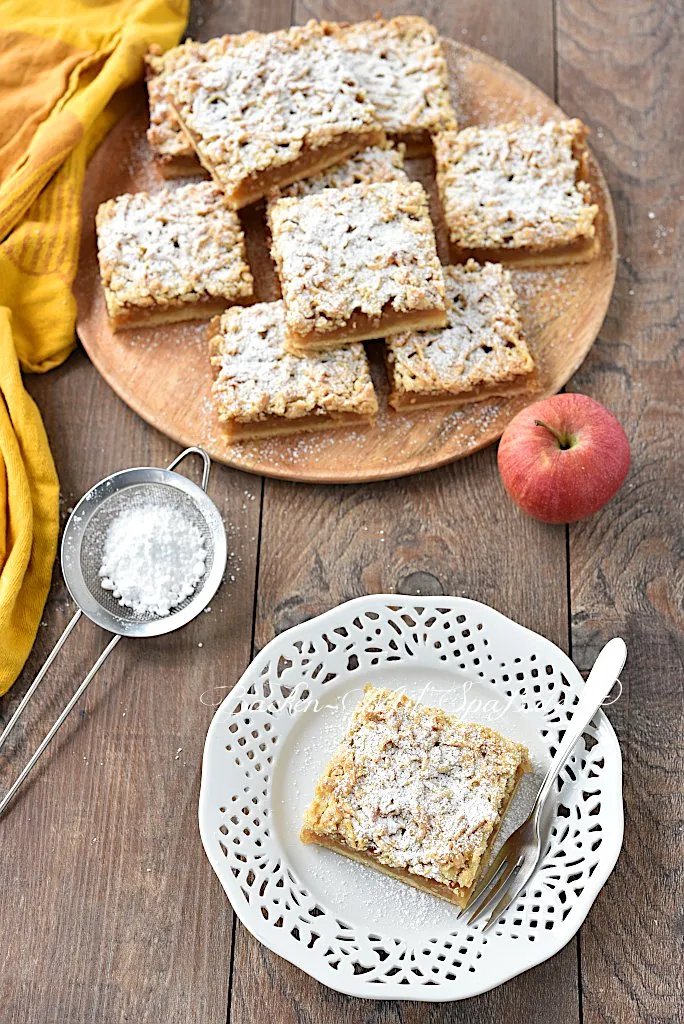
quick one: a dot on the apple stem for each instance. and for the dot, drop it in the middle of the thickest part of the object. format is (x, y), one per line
(563, 440)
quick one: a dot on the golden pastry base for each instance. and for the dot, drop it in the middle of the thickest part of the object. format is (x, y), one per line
(365, 328)
(403, 400)
(278, 426)
(151, 316)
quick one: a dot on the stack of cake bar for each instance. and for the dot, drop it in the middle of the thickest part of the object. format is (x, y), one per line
(317, 120)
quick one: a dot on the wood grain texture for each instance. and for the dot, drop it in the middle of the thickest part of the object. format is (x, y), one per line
(110, 911)
(621, 66)
(449, 531)
(89, 934)
(523, 39)
(562, 309)
(452, 531)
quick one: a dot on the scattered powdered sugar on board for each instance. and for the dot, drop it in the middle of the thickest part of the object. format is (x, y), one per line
(153, 559)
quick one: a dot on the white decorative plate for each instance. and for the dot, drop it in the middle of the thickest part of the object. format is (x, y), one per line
(353, 928)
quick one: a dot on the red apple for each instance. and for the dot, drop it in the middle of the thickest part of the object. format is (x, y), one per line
(563, 458)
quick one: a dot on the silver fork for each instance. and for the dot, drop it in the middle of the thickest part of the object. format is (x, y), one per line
(519, 856)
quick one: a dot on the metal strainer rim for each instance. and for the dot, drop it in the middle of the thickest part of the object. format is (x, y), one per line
(77, 525)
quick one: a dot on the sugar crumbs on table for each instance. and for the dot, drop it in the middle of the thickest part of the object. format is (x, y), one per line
(153, 559)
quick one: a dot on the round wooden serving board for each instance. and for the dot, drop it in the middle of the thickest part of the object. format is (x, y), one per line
(163, 373)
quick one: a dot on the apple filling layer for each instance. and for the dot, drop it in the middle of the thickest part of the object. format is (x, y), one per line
(582, 250)
(361, 327)
(172, 312)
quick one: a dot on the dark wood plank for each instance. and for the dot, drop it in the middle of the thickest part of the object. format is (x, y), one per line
(450, 531)
(620, 68)
(523, 41)
(110, 910)
(215, 17)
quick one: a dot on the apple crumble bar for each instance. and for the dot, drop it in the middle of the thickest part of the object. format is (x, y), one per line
(172, 150)
(176, 255)
(415, 793)
(401, 66)
(480, 354)
(270, 109)
(517, 193)
(356, 263)
(261, 390)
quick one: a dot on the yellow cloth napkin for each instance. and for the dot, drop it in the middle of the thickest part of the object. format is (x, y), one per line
(63, 66)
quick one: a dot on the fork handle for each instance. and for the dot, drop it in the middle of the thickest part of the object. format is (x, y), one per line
(600, 682)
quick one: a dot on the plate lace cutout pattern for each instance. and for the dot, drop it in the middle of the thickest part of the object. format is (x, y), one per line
(528, 674)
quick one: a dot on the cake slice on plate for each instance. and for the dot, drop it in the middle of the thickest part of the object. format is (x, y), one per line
(401, 65)
(416, 793)
(270, 109)
(356, 263)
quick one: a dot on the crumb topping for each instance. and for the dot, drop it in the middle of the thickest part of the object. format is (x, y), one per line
(176, 246)
(416, 788)
(369, 167)
(362, 248)
(482, 343)
(515, 185)
(165, 135)
(401, 66)
(265, 98)
(257, 378)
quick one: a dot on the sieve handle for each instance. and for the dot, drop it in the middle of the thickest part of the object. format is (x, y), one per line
(194, 450)
(39, 678)
(65, 713)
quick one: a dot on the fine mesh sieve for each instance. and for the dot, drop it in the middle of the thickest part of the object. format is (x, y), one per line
(82, 556)
(139, 496)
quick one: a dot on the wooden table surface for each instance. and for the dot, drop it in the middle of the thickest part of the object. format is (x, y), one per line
(109, 909)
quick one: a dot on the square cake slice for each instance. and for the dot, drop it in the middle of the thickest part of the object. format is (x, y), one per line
(174, 154)
(518, 193)
(261, 390)
(401, 65)
(270, 109)
(480, 354)
(356, 263)
(176, 255)
(415, 793)
(369, 167)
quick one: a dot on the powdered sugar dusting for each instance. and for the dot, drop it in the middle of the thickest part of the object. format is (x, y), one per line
(514, 185)
(482, 343)
(180, 244)
(153, 559)
(416, 788)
